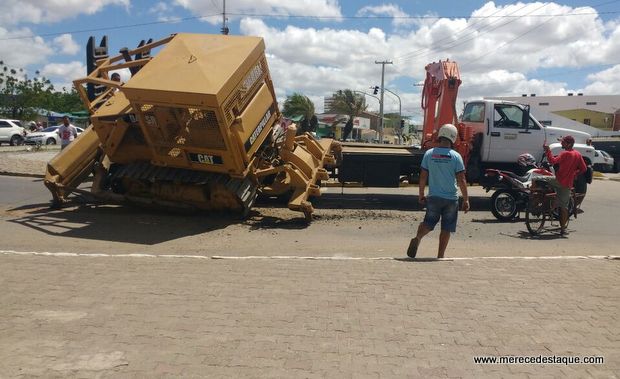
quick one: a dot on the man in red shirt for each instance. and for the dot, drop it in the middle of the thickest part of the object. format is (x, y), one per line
(570, 164)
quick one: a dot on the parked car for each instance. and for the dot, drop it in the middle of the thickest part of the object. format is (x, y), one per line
(11, 132)
(48, 136)
(603, 162)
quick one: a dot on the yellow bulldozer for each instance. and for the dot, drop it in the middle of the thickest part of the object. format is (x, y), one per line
(197, 126)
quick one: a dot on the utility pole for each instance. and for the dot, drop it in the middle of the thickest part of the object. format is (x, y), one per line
(224, 29)
(382, 63)
(400, 116)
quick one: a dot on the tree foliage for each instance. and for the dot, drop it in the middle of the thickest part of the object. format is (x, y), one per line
(350, 103)
(300, 105)
(21, 96)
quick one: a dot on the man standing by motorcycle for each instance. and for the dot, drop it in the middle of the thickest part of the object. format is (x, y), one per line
(570, 164)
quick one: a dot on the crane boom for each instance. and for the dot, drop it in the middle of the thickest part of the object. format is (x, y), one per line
(441, 88)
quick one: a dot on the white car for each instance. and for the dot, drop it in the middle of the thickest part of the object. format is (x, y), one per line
(48, 136)
(603, 162)
(11, 132)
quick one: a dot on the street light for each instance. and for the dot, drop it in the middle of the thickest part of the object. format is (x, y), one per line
(400, 114)
(367, 94)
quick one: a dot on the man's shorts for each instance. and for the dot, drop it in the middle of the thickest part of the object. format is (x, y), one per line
(562, 193)
(447, 210)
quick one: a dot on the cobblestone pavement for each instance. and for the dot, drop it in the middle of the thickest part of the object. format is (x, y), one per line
(63, 316)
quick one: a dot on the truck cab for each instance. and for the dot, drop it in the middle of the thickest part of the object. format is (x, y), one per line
(503, 130)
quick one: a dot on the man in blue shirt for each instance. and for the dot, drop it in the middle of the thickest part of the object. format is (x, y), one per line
(443, 168)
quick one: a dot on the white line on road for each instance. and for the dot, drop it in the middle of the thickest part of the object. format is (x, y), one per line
(291, 257)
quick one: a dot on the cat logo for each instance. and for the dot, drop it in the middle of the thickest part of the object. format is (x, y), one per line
(205, 158)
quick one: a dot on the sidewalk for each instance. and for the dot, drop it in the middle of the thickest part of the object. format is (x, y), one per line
(24, 160)
(181, 317)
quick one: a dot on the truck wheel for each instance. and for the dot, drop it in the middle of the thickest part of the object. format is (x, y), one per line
(504, 205)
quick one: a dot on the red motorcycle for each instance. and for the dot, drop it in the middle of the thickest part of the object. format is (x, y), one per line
(511, 190)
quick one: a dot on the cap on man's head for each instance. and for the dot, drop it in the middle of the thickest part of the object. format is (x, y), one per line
(567, 139)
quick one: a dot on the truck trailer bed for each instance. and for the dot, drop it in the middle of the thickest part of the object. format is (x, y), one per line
(375, 165)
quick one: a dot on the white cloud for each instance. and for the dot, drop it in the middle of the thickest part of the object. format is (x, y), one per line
(66, 44)
(390, 10)
(604, 82)
(319, 62)
(71, 70)
(62, 74)
(22, 52)
(164, 12)
(13, 12)
(160, 7)
(18, 51)
(316, 8)
(497, 55)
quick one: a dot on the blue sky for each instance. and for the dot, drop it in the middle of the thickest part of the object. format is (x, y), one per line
(503, 47)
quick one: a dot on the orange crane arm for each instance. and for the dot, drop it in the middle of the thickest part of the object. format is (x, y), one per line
(441, 88)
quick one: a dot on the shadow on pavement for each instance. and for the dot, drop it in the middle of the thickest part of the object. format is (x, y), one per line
(549, 234)
(258, 221)
(117, 223)
(422, 260)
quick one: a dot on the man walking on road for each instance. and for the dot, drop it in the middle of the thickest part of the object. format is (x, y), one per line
(67, 133)
(443, 168)
(571, 164)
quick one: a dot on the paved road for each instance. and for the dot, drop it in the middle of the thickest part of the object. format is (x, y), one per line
(359, 222)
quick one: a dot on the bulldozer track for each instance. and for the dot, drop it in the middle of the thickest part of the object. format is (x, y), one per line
(244, 189)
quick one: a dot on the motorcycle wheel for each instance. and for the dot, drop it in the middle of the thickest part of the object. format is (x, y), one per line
(535, 221)
(504, 205)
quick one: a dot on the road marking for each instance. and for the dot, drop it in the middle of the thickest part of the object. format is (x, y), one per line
(292, 257)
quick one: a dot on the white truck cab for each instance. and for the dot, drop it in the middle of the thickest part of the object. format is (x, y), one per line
(504, 130)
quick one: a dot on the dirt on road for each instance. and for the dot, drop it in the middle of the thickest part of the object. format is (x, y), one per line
(355, 222)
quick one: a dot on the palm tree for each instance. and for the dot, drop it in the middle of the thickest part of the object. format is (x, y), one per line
(349, 103)
(300, 105)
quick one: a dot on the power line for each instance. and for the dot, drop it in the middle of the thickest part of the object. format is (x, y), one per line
(470, 26)
(390, 17)
(456, 43)
(521, 35)
(474, 35)
(127, 26)
(260, 15)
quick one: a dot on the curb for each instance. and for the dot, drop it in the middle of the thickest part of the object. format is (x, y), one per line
(306, 258)
(22, 174)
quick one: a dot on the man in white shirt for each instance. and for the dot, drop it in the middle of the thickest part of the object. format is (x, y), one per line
(67, 132)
